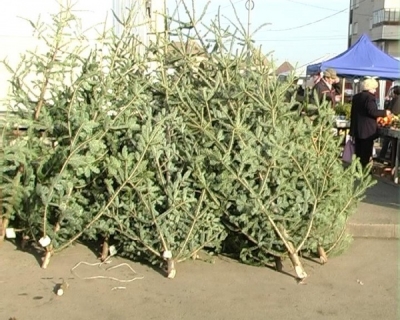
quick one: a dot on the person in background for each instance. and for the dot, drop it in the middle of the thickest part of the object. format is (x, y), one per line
(392, 104)
(324, 90)
(316, 78)
(336, 86)
(363, 124)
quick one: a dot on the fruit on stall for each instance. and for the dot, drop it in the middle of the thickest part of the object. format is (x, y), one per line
(395, 123)
(384, 121)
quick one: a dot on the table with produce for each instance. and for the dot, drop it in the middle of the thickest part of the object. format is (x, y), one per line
(389, 127)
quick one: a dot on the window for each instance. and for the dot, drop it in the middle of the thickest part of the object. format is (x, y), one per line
(354, 3)
(370, 23)
(355, 28)
(350, 29)
(381, 15)
(375, 17)
(394, 15)
(397, 15)
(386, 16)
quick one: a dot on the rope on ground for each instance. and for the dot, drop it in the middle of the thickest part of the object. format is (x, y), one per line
(99, 264)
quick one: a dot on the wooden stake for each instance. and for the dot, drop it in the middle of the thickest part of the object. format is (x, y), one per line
(278, 264)
(323, 258)
(46, 258)
(298, 267)
(105, 249)
(3, 226)
(171, 269)
(294, 258)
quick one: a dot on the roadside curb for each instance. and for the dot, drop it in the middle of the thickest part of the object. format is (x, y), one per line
(373, 230)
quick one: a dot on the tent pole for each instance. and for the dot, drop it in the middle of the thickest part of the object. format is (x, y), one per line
(343, 86)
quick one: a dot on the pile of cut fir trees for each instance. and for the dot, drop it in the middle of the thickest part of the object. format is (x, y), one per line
(202, 154)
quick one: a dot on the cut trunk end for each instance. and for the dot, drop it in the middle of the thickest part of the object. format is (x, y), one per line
(323, 258)
(46, 259)
(171, 271)
(298, 267)
(105, 249)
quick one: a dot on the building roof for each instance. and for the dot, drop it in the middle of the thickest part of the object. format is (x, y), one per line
(284, 67)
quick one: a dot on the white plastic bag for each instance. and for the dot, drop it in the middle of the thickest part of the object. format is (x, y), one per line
(349, 150)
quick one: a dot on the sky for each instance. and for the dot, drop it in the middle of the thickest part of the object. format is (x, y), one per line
(298, 31)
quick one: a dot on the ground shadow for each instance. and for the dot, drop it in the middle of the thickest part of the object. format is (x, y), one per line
(384, 193)
(29, 248)
(95, 246)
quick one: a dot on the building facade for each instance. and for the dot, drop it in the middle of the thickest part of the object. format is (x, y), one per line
(380, 20)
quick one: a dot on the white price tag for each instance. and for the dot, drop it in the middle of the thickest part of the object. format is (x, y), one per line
(167, 254)
(113, 250)
(10, 233)
(45, 241)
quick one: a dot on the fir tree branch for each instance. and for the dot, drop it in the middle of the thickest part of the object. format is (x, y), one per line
(201, 246)
(135, 239)
(114, 196)
(199, 204)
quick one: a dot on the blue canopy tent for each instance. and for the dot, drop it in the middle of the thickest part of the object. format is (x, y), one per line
(360, 60)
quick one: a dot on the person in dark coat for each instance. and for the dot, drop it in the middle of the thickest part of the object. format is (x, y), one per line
(363, 124)
(336, 86)
(394, 106)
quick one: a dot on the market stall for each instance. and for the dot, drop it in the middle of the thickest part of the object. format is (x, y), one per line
(362, 59)
(394, 134)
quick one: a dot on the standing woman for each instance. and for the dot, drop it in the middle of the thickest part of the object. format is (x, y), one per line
(363, 126)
